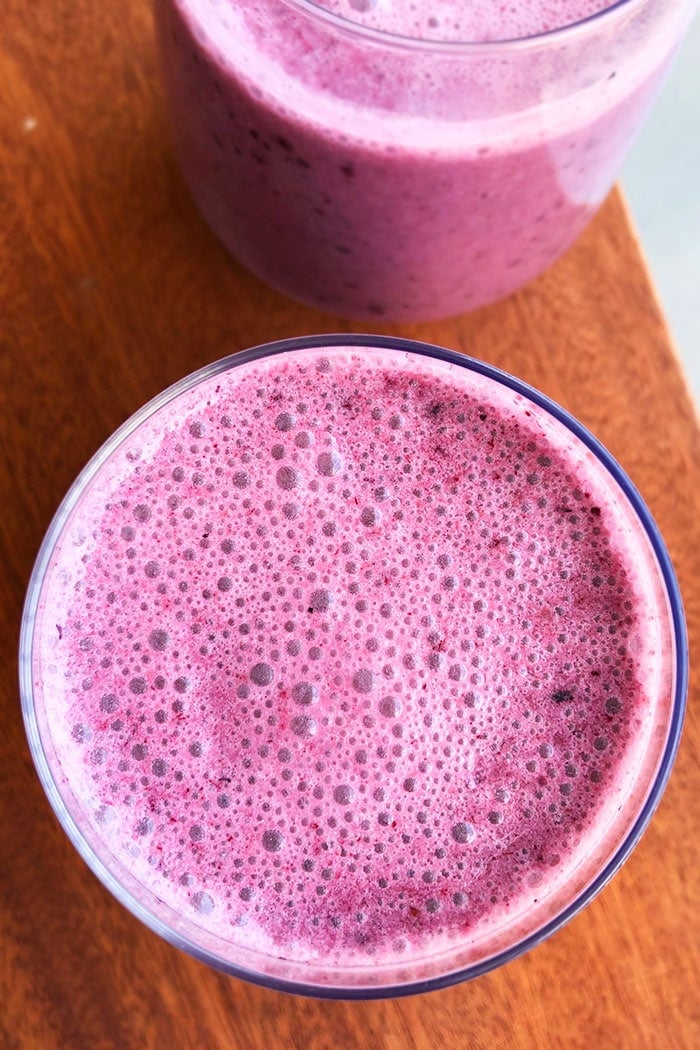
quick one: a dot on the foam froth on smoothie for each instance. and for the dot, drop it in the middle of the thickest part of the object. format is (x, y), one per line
(465, 20)
(350, 655)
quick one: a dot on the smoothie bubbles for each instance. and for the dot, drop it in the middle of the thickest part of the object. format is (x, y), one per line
(353, 666)
(391, 160)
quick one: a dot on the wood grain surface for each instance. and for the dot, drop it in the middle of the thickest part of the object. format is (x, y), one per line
(111, 288)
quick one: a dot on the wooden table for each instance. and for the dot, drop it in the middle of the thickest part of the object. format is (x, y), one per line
(111, 288)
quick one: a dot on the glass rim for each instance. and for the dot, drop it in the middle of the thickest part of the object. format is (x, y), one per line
(102, 870)
(551, 36)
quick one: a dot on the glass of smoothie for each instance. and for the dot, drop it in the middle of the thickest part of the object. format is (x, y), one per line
(353, 666)
(387, 159)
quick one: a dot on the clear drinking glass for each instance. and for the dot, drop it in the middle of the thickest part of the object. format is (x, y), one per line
(179, 908)
(382, 176)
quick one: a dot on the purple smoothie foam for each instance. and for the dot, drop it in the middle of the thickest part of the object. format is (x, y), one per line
(352, 655)
(473, 20)
(397, 181)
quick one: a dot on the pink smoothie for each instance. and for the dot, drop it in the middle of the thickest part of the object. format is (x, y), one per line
(352, 656)
(389, 180)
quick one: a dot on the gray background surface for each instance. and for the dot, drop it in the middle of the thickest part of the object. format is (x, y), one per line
(661, 180)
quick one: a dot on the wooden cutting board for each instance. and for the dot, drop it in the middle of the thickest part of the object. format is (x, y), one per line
(111, 288)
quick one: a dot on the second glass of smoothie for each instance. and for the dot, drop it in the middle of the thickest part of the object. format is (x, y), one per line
(400, 161)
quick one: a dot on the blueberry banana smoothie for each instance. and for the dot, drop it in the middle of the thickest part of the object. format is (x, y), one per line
(357, 156)
(352, 656)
